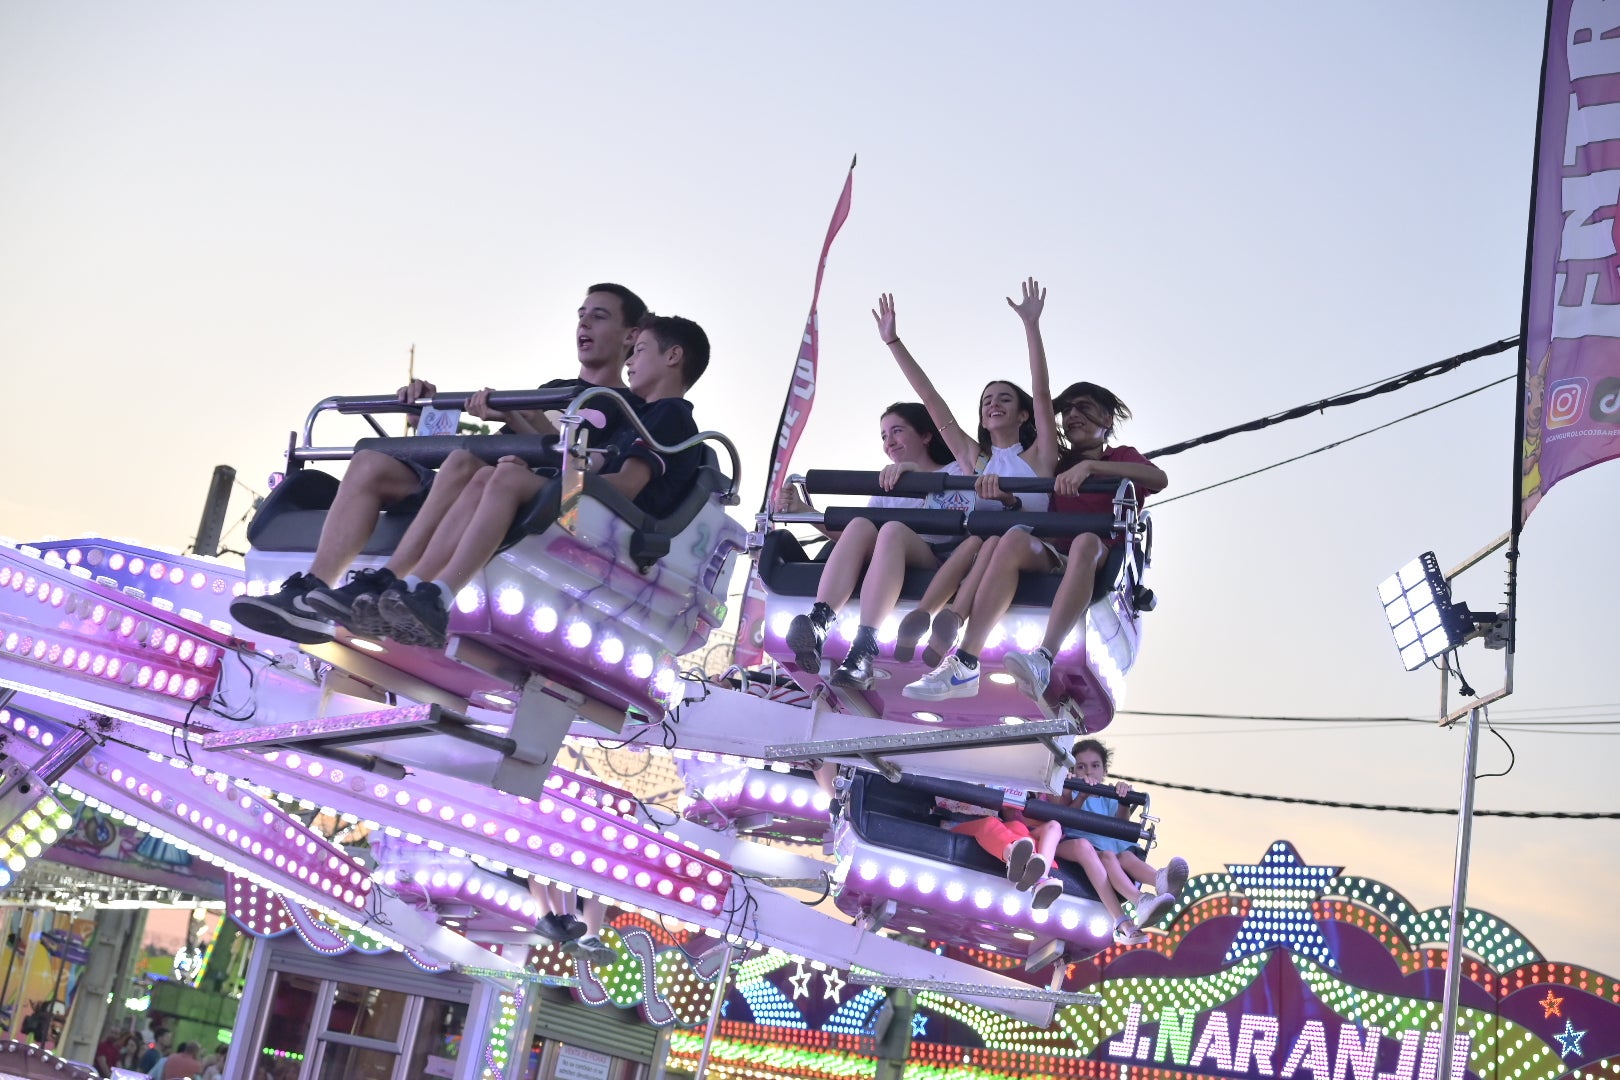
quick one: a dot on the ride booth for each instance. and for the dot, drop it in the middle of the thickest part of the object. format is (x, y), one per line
(1279, 968)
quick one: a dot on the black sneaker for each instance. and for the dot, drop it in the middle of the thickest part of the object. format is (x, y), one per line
(338, 604)
(286, 613)
(559, 928)
(855, 672)
(419, 617)
(593, 950)
(805, 635)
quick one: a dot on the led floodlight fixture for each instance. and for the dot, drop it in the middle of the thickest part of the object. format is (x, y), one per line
(1417, 602)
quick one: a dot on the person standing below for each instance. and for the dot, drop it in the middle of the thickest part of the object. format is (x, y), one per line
(182, 1064)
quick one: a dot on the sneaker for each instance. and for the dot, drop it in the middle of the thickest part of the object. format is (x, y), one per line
(1032, 671)
(805, 635)
(1126, 932)
(593, 950)
(1149, 908)
(365, 619)
(855, 672)
(338, 604)
(947, 624)
(1045, 894)
(558, 928)
(951, 679)
(1017, 858)
(1034, 873)
(1173, 878)
(418, 617)
(912, 629)
(285, 613)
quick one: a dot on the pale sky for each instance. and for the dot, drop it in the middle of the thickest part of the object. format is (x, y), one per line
(211, 216)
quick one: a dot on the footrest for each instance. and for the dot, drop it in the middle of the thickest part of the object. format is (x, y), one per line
(411, 721)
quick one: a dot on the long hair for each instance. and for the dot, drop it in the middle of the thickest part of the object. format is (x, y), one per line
(915, 413)
(1026, 405)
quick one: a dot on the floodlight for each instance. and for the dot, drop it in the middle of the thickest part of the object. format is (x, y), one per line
(1426, 624)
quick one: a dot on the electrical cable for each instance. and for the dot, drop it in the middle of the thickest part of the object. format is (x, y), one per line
(1561, 815)
(1349, 397)
(1160, 503)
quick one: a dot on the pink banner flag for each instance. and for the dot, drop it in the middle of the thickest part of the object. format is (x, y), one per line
(1570, 369)
(795, 416)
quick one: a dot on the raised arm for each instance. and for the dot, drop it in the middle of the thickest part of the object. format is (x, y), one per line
(963, 446)
(1043, 455)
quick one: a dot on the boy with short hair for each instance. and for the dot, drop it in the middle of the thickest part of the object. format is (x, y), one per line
(305, 607)
(670, 355)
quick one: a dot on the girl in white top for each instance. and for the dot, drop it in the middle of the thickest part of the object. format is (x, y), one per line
(1014, 438)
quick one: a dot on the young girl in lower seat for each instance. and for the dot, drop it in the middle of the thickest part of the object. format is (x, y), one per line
(1112, 866)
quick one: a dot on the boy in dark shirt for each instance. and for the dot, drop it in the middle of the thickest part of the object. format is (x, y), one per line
(306, 605)
(670, 355)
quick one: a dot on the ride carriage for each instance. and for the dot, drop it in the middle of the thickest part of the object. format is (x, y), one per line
(1089, 668)
(581, 616)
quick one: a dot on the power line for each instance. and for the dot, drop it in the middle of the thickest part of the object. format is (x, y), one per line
(1565, 815)
(1348, 397)
(1157, 503)
(1550, 721)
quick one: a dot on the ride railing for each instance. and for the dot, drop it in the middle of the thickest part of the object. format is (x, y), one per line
(536, 450)
(1127, 518)
(1134, 832)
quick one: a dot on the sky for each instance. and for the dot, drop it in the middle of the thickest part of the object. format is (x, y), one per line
(212, 216)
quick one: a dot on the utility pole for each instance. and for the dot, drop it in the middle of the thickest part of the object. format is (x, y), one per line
(213, 515)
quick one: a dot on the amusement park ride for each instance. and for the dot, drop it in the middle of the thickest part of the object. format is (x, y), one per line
(128, 685)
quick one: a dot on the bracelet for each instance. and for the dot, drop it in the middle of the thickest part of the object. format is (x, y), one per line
(892, 341)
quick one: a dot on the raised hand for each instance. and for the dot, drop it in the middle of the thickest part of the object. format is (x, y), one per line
(884, 317)
(415, 390)
(1030, 307)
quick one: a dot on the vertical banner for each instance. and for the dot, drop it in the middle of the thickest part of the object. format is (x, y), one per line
(795, 416)
(1570, 369)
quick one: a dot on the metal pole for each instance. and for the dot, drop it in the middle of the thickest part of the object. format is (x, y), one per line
(213, 515)
(1459, 894)
(714, 1012)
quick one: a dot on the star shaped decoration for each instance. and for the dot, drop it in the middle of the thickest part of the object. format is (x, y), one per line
(1280, 888)
(1570, 1039)
(833, 986)
(919, 1026)
(801, 982)
(1550, 1006)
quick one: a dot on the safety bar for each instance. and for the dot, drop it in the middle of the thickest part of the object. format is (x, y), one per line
(1135, 798)
(369, 404)
(918, 484)
(431, 450)
(956, 523)
(994, 799)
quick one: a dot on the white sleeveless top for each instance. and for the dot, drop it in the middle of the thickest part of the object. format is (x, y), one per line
(1009, 461)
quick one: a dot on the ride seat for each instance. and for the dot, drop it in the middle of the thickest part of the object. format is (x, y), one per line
(786, 569)
(903, 819)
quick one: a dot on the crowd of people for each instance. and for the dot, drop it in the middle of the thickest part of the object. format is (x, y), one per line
(158, 1057)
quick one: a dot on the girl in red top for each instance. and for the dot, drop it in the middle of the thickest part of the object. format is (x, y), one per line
(1089, 414)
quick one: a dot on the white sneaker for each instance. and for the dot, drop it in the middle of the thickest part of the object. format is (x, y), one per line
(1149, 908)
(952, 679)
(1127, 933)
(1032, 671)
(1173, 878)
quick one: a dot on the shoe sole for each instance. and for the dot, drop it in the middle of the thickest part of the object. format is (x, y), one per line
(1046, 894)
(1023, 673)
(947, 625)
(1018, 857)
(365, 620)
(912, 629)
(1034, 873)
(950, 694)
(1175, 876)
(805, 645)
(405, 626)
(844, 680)
(1151, 909)
(263, 617)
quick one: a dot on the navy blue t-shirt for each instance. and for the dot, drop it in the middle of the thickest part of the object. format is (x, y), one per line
(600, 415)
(669, 421)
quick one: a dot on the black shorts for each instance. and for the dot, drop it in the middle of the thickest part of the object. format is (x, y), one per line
(424, 482)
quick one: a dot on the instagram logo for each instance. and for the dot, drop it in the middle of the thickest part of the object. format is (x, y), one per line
(1564, 399)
